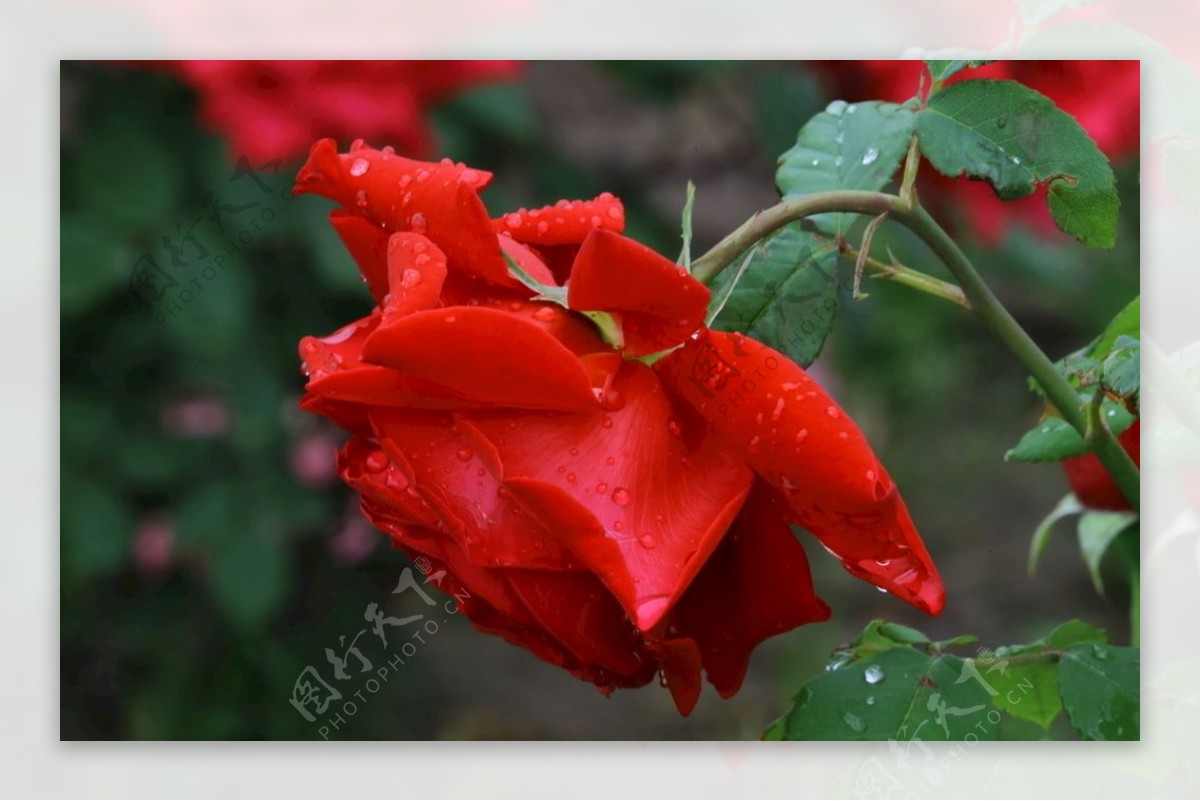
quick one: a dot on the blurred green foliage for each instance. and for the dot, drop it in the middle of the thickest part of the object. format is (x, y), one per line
(208, 641)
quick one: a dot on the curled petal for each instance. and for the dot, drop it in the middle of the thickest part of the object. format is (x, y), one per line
(567, 222)
(658, 303)
(440, 201)
(485, 355)
(367, 244)
(798, 439)
(459, 479)
(756, 585)
(416, 271)
(637, 495)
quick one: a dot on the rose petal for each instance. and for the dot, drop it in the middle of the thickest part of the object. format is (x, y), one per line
(367, 244)
(440, 201)
(638, 495)
(658, 303)
(566, 222)
(459, 479)
(486, 355)
(797, 438)
(756, 585)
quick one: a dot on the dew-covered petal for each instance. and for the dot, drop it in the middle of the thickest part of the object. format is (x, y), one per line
(486, 355)
(565, 223)
(801, 441)
(635, 491)
(658, 304)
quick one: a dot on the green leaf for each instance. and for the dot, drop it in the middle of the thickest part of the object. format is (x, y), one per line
(941, 70)
(1101, 691)
(901, 694)
(1055, 439)
(1074, 632)
(847, 146)
(1017, 139)
(1126, 323)
(553, 294)
(1027, 690)
(1097, 531)
(1068, 506)
(787, 296)
(1121, 370)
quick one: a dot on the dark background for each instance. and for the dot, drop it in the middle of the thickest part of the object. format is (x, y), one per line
(208, 555)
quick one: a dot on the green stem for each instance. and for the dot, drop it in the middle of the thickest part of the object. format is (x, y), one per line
(914, 279)
(769, 220)
(977, 293)
(1057, 388)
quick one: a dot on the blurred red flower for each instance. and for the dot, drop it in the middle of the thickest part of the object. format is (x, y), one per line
(618, 519)
(1104, 96)
(1091, 481)
(275, 109)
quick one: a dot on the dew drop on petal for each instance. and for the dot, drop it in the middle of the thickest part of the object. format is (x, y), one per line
(646, 541)
(620, 496)
(377, 462)
(410, 278)
(359, 167)
(464, 454)
(833, 412)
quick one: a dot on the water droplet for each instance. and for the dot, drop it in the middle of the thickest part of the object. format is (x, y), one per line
(841, 137)
(836, 108)
(673, 428)
(611, 400)
(789, 486)
(359, 167)
(543, 227)
(601, 488)
(396, 480)
(777, 412)
(620, 496)
(850, 109)
(754, 444)
(606, 422)
(465, 454)
(881, 589)
(870, 475)
(572, 478)
(870, 155)
(646, 541)
(618, 525)
(377, 462)
(837, 162)
(833, 412)
(418, 223)
(801, 435)
(410, 278)
(614, 212)
(1016, 160)
(870, 700)
(854, 722)
(360, 198)
(610, 461)
(468, 176)
(405, 180)
(512, 220)
(816, 162)
(545, 313)
(873, 674)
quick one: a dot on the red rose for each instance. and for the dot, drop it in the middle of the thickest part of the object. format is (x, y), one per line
(617, 519)
(275, 109)
(1091, 482)
(1103, 96)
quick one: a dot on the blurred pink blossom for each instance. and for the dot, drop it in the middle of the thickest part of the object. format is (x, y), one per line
(198, 417)
(153, 545)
